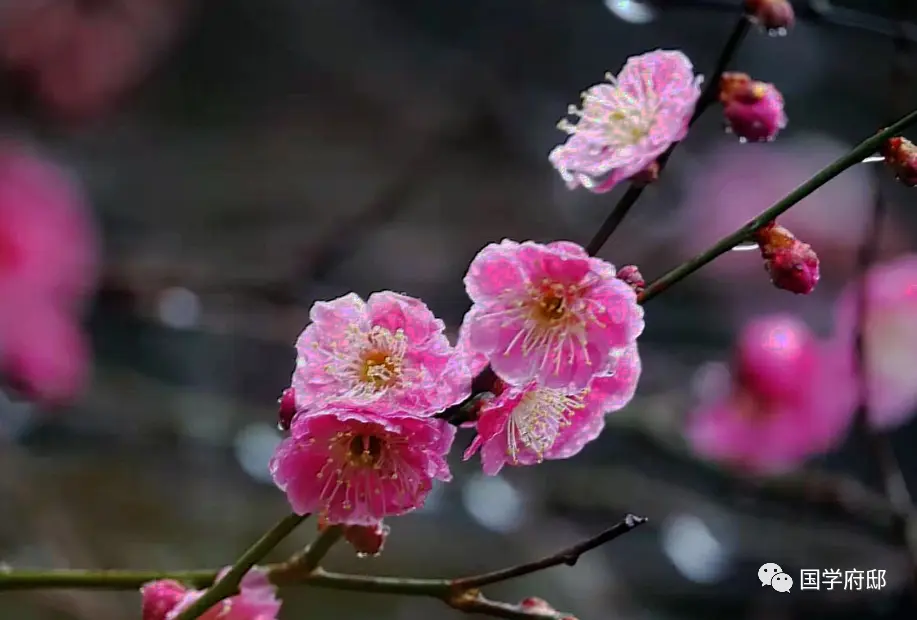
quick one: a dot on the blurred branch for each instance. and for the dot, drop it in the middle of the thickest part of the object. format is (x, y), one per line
(707, 97)
(461, 594)
(858, 154)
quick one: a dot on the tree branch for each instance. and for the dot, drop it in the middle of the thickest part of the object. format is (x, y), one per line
(229, 584)
(858, 154)
(462, 594)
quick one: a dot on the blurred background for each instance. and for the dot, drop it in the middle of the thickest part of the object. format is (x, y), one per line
(242, 160)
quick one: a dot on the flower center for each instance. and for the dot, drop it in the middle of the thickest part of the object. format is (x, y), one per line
(380, 369)
(538, 418)
(364, 450)
(612, 115)
(551, 308)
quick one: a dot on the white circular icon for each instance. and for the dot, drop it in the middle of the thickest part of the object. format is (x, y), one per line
(766, 573)
(782, 582)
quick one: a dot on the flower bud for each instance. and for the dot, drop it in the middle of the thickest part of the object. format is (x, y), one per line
(367, 540)
(286, 409)
(630, 275)
(901, 156)
(536, 605)
(773, 15)
(753, 110)
(160, 597)
(792, 264)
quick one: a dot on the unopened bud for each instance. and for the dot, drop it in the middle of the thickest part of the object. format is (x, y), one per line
(753, 110)
(630, 275)
(286, 409)
(792, 265)
(367, 540)
(533, 603)
(773, 15)
(901, 156)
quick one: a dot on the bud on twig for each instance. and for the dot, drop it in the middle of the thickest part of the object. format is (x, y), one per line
(630, 275)
(901, 156)
(775, 16)
(792, 264)
(753, 110)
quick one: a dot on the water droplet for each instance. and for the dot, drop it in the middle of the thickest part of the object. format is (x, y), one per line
(745, 246)
(364, 555)
(873, 159)
(743, 140)
(776, 32)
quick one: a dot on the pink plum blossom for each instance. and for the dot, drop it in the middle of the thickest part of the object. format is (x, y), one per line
(43, 354)
(47, 240)
(627, 123)
(783, 406)
(356, 466)
(523, 426)
(256, 600)
(792, 264)
(753, 110)
(890, 340)
(387, 353)
(548, 313)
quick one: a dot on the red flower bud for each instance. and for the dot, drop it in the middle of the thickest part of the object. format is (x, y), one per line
(753, 110)
(792, 264)
(286, 409)
(630, 275)
(367, 540)
(772, 15)
(901, 156)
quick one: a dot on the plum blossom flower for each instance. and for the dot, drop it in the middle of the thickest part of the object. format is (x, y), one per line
(47, 240)
(356, 466)
(548, 313)
(889, 340)
(753, 110)
(47, 269)
(627, 123)
(783, 405)
(166, 599)
(387, 353)
(523, 426)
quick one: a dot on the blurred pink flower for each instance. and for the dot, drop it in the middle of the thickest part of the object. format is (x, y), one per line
(47, 239)
(628, 123)
(388, 353)
(785, 405)
(79, 58)
(727, 187)
(890, 340)
(548, 313)
(43, 353)
(357, 466)
(256, 600)
(753, 110)
(523, 426)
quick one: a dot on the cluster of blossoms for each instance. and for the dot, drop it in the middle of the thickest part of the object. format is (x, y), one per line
(366, 440)
(47, 270)
(792, 396)
(166, 599)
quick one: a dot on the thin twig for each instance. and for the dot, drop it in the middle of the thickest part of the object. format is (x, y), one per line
(461, 594)
(568, 556)
(707, 97)
(229, 584)
(864, 149)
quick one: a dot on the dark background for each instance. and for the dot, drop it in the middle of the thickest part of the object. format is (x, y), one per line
(285, 151)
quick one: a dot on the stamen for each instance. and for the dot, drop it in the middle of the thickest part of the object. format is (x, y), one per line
(538, 418)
